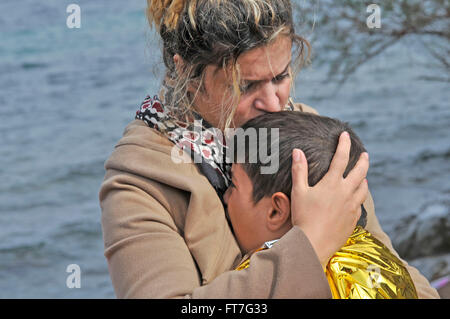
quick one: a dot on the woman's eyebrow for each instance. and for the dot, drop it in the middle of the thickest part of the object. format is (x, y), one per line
(257, 81)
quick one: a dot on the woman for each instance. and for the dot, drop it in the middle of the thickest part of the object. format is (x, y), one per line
(165, 229)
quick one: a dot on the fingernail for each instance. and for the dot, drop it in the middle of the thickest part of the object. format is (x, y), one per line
(296, 155)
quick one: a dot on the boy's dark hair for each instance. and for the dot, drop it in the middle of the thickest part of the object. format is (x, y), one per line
(317, 136)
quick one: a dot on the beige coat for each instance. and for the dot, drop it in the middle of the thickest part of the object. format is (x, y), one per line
(166, 235)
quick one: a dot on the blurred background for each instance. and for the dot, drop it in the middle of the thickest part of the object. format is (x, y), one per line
(66, 94)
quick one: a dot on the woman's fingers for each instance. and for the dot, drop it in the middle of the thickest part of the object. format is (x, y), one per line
(299, 186)
(328, 212)
(359, 171)
(341, 156)
(361, 193)
(299, 171)
(357, 216)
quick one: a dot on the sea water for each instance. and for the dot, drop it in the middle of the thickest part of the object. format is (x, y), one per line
(67, 94)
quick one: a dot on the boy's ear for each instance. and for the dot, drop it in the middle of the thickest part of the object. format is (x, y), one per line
(279, 217)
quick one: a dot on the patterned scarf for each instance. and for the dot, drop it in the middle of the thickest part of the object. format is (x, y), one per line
(204, 143)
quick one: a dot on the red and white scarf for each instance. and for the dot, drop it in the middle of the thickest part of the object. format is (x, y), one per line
(199, 139)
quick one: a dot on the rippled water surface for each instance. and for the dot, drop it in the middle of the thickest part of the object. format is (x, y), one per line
(67, 94)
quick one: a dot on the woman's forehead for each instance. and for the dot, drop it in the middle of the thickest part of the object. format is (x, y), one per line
(262, 63)
(266, 62)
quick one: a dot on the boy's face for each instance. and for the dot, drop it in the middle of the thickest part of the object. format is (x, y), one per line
(247, 218)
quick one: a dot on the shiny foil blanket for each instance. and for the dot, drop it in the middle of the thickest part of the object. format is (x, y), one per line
(364, 268)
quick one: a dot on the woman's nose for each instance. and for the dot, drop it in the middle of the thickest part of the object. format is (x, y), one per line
(267, 99)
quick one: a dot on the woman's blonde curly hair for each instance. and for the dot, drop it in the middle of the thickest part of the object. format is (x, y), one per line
(217, 32)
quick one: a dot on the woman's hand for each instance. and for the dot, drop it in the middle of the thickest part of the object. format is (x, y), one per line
(328, 212)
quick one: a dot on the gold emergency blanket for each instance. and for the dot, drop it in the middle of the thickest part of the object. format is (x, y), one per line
(364, 268)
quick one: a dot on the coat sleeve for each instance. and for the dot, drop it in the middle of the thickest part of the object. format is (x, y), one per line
(423, 287)
(290, 269)
(148, 257)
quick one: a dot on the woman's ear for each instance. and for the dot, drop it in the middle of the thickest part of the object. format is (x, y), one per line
(179, 63)
(279, 218)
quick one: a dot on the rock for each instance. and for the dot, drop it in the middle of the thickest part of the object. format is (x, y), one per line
(424, 234)
(444, 292)
(433, 267)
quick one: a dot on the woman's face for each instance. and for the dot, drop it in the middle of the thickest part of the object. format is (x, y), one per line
(265, 85)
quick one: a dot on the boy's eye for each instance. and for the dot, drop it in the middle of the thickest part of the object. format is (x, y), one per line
(232, 184)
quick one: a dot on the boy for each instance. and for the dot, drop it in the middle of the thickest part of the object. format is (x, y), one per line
(258, 205)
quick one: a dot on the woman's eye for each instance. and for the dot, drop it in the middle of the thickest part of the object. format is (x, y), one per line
(247, 87)
(280, 77)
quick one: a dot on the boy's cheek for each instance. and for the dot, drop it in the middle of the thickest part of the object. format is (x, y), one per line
(226, 195)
